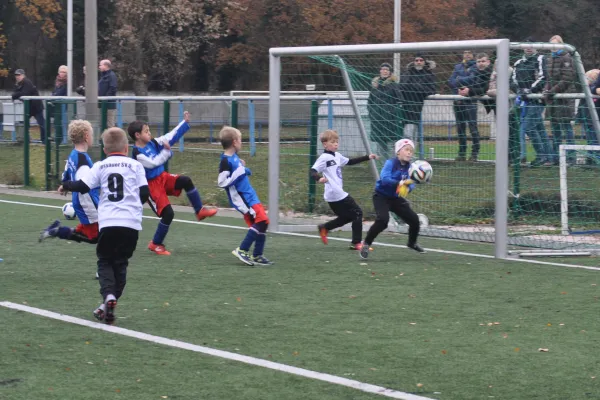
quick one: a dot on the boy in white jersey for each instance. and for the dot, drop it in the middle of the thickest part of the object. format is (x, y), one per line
(330, 164)
(124, 190)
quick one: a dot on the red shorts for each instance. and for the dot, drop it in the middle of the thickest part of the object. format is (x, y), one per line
(89, 230)
(259, 215)
(160, 188)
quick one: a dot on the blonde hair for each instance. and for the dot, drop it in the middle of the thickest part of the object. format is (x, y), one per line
(77, 130)
(329, 135)
(227, 135)
(114, 140)
(592, 75)
(63, 68)
(557, 38)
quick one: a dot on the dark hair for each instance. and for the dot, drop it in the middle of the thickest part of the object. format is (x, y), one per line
(135, 127)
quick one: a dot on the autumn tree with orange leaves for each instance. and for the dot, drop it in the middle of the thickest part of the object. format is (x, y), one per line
(256, 25)
(41, 12)
(3, 70)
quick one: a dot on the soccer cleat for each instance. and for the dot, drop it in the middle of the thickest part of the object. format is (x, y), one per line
(261, 260)
(158, 249)
(460, 158)
(99, 312)
(50, 231)
(110, 305)
(357, 246)
(364, 250)
(243, 256)
(205, 212)
(416, 248)
(323, 233)
(97, 276)
(473, 158)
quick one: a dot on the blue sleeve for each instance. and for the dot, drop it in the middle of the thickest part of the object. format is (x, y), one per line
(466, 81)
(411, 187)
(386, 175)
(112, 86)
(248, 172)
(452, 81)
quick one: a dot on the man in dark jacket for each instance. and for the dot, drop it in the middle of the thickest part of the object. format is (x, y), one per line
(475, 84)
(465, 111)
(529, 77)
(382, 105)
(24, 87)
(416, 84)
(107, 86)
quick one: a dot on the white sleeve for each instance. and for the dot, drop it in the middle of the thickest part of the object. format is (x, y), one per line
(160, 159)
(320, 164)
(141, 176)
(82, 171)
(343, 160)
(92, 177)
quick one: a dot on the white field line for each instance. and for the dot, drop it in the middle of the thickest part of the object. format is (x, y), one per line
(456, 253)
(363, 387)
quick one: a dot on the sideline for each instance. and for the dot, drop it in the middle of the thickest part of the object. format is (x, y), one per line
(363, 387)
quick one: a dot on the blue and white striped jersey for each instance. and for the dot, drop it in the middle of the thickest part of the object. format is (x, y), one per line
(233, 177)
(85, 205)
(153, 155)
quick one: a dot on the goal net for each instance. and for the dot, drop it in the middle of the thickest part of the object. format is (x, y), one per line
(492, 180)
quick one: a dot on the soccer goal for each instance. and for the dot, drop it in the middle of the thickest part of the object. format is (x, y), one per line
(476, 194)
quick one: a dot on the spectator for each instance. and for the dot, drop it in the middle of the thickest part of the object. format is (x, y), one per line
(416, 84)
(60, 89)
(465, 111)
(513, 118)
(585, 117)
(476, 84)
(107, 86)
(561, 79)
(382, 105)
(24, 87)
(529, 77)
(81, 88)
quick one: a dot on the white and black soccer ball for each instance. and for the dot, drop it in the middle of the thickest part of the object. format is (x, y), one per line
(420, 171)
(69, 211)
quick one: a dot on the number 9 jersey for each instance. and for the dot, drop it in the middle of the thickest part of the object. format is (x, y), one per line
(119, 178)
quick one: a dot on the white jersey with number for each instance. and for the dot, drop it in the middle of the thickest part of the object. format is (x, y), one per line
(119, 178)
(330, 165)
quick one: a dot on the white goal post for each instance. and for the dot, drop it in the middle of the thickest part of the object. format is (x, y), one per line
(564, 196)
(502, 47)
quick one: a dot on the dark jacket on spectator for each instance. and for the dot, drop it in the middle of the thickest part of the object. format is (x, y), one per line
(107, 86)
(561, 79)
(460, 70)
(382, 105)
(27, 88)
(593, 87)
(415, 85)
(477, 81)
(529, 73)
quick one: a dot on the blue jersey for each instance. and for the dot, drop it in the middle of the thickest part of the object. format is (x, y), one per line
(391, 174)
(85, 205)
(233, 177)
(153, 155)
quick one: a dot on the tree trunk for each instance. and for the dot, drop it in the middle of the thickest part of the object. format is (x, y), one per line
(140, 88)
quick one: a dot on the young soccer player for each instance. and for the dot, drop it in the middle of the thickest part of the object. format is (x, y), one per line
(124, 190)
(330, 164)
(85, 205)
(233, 177)
(390, 192)
(153, 154)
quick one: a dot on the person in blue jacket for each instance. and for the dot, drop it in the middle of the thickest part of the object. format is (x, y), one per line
(390, 192)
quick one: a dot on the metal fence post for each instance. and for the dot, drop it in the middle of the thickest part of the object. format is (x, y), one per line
(234, 113)
(314, 125)
(26, 112)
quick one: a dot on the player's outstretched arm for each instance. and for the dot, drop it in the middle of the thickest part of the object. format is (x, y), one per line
(386, 175)
(177, 132)
(73, 186)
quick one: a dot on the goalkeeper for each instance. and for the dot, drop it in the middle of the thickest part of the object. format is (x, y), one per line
(390, 192)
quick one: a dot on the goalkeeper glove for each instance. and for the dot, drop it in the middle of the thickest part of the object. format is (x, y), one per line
(403, 187)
